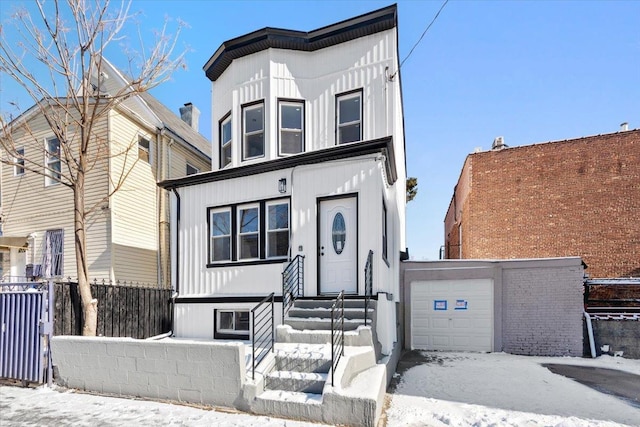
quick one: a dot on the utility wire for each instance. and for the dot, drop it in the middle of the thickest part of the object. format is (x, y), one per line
(421, 37)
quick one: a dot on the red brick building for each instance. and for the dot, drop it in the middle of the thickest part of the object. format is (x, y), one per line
(579, 197)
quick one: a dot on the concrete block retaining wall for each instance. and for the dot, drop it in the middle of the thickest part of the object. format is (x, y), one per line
(209, 373)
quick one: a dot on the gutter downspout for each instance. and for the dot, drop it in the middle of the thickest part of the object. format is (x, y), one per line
(174, 295)
(592, 344)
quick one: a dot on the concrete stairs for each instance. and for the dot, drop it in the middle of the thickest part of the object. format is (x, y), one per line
(298, 383)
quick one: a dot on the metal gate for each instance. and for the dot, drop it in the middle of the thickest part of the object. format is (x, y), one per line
(26, 326)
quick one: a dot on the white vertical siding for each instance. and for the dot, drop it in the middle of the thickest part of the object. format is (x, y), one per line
(315, 77)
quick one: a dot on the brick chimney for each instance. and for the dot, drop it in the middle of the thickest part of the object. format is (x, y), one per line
(190, 115)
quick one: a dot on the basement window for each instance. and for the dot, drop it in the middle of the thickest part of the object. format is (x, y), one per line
(231, 324)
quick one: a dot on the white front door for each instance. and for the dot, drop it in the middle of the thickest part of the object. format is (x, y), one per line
(338, 246)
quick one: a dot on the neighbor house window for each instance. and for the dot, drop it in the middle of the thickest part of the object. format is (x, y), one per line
(253, 131)
(52, 161)
(248, 232)
(291, 126)
(225, 141)
(349, 117)
(385, 241)
(18, 162)
(52, 254)
(232, 324)
(144, 149)
(192, 170)
(220, 235)
(277, 229)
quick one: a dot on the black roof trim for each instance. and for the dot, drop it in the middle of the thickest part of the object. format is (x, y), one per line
(350, 29)
(354, 149)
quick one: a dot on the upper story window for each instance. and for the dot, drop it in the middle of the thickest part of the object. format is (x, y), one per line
(291, 127)
(349, 117)
(144, 149)
(225, 141)
(192, 170)
(18, 168)
(253, 131)
(52, 161)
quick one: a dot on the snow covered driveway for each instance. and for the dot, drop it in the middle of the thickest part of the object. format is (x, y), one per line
(476, 389)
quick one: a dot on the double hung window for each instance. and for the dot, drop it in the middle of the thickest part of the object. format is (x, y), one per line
(253, 131)
(225, 141)
(52, 161)
(278, 229)
(349, 117)
(220, 235)
(291, 126)
(248, 232)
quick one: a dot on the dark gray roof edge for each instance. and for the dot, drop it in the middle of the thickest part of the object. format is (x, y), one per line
(333, 34)
(380, 145)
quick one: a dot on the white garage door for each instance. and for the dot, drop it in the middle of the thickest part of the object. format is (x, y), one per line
(452, 315)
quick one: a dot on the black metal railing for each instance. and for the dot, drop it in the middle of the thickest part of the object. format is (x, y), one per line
(368, 285)
(292, 283)
(262, 331)
(337, 333)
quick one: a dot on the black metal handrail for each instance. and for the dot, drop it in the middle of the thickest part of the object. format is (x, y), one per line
(368, 285)
(337, 333)
(262, 331)
(292, 283)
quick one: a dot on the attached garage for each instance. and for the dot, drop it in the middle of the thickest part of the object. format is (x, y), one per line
(455, 315)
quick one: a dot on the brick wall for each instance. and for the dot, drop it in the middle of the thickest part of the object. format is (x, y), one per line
(542, 311)
(578, 197)
(193, 372)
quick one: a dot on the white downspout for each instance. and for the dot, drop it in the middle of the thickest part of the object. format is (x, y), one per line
(592, 344)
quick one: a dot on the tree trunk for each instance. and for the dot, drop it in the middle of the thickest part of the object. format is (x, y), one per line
(89, 304)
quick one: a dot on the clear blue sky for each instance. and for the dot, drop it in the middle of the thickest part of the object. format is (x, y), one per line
(529, 71)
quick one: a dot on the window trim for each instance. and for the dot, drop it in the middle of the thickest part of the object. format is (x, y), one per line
(226, 118)
(349, 94)
(268, 230)
(290, 101)
(235, 261)
(19, 163)
(243, 109)
(228, 333)
(210, 238)
(50, 180)
(240, 234)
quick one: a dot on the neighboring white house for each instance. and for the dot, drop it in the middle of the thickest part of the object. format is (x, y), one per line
(308, 159)
(128, 233)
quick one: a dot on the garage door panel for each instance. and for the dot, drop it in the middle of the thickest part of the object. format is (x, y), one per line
(464, 323)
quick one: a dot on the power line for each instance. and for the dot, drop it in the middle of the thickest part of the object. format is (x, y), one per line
(422, 36)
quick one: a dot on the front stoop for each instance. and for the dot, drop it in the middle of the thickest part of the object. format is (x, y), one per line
(297, 383)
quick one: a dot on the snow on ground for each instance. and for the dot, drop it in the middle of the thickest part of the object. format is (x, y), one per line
(450, 389)
(472, 389)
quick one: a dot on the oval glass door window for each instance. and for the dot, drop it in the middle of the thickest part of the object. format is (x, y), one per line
(338, 233)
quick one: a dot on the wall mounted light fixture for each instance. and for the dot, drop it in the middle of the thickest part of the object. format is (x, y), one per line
(282, 185)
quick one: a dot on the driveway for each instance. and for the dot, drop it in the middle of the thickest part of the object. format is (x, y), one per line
(503, 386)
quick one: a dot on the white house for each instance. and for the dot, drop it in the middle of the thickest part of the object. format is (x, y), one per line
(308, 160)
